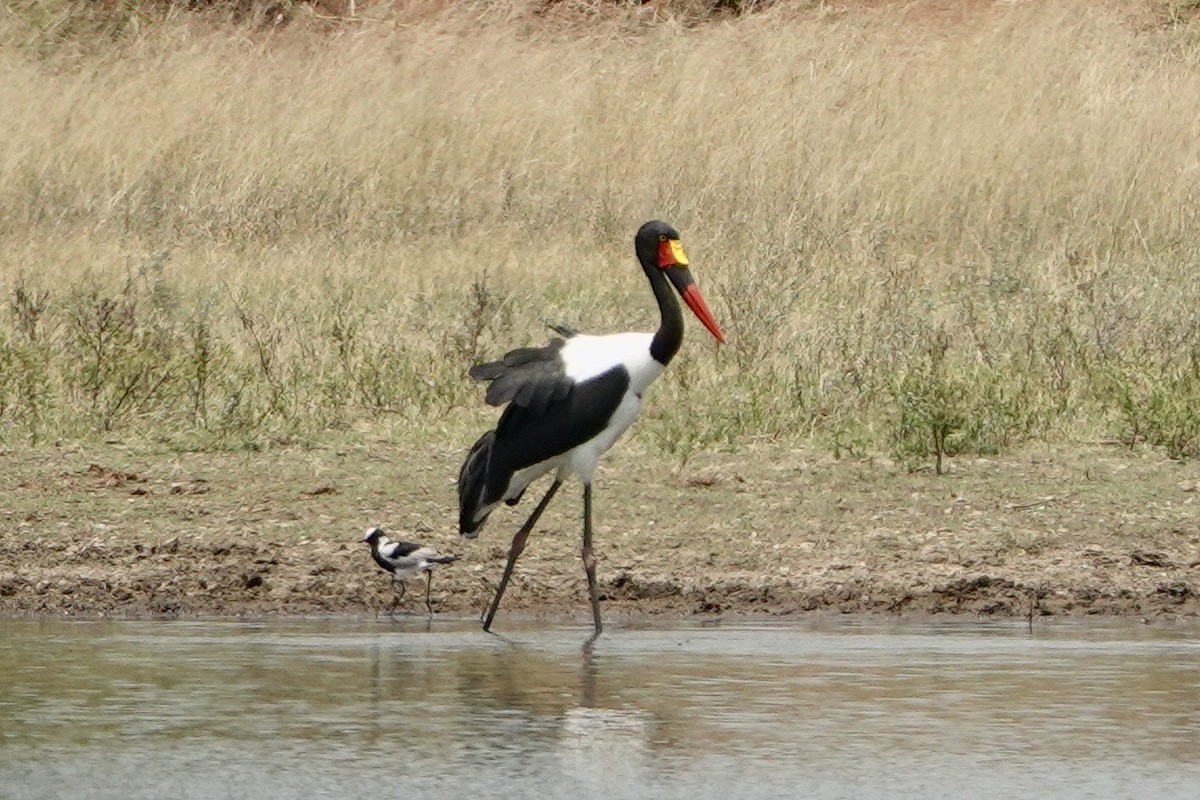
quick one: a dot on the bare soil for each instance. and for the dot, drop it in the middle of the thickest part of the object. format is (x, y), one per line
(113, 530)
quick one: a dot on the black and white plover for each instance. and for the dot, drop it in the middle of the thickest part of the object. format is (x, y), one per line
(405, 560)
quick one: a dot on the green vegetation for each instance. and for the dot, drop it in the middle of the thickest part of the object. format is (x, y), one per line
(924, 236)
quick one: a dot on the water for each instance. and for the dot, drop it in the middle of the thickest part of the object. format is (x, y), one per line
(342, 708)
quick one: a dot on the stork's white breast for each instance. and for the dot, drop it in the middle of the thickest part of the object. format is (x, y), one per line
(585, 357)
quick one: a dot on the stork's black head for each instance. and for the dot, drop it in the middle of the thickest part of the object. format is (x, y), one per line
(649, 239)
(658, 249)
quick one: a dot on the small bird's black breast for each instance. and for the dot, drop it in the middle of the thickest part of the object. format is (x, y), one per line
(383, 563)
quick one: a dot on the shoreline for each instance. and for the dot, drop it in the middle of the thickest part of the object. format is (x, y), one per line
(111, 530)
(263, 582)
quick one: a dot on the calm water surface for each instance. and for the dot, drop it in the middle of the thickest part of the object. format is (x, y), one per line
(351, 708)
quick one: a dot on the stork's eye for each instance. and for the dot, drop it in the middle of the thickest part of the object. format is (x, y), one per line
(670, 253)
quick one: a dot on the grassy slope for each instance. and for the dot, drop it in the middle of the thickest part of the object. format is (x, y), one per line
(978, 232)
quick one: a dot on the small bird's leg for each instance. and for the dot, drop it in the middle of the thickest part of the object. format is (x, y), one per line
(428, 584)
(518, 544)
(398, 598)
(589, 559)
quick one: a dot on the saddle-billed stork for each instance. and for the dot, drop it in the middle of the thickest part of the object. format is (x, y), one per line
(569, 401)
(405, 560)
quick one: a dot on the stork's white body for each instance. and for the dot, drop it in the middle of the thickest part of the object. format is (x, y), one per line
(586, 357)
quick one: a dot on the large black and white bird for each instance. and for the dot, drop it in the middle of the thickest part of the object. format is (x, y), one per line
(405, 560)
(568, 402)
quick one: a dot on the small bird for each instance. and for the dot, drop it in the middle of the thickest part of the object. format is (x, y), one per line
(405, 560)
(567, 403)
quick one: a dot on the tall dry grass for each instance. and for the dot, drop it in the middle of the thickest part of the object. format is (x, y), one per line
(923, 235)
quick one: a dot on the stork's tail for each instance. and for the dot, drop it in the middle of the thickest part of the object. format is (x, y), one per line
(472, 486)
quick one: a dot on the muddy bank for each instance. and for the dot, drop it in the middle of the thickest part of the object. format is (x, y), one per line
(120, 532)
(186, 577)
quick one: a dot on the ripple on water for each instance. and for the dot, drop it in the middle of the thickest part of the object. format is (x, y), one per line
(338, 708)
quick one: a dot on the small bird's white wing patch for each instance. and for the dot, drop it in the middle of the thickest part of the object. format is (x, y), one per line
(409, 567)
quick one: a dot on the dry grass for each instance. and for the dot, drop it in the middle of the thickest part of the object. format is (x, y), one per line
(922, 234)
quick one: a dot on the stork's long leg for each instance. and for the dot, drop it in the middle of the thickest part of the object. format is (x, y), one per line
(428, 584)
(589, 559)
(518, 544)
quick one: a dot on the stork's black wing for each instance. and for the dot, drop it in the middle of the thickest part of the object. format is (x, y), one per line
(547, 414)
(526, 435)
(565, 331)
(531, 377)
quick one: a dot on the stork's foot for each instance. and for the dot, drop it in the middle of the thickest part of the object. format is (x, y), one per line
(589, 566)
(589, 558)
(518, 544)
(489, 589)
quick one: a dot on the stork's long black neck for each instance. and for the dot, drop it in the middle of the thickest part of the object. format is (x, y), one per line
(669, 335)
